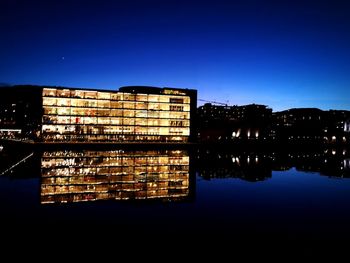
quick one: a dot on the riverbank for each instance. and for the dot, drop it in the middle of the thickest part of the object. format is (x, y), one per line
(245, 146)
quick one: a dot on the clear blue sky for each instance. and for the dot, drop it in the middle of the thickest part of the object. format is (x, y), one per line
(280, 53)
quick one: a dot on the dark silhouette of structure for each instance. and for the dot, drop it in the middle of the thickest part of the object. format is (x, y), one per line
(234, 123)
(20, 111)
(258, 124)
(311, 125)
(299, 125)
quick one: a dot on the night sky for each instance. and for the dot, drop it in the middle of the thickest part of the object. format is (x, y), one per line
(283, 54)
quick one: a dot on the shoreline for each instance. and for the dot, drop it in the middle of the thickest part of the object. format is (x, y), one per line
(251, 146)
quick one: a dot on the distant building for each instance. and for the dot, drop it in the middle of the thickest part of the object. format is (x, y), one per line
(297, 125)
(134, 113)
(20, 111)
(234, 123)
(311, 125)
(337, 129)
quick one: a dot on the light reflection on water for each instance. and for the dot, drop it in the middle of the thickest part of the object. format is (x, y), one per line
(241, 194)
(68, 176)
(89, 175)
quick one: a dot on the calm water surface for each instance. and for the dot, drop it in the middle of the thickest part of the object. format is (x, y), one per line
(239, 196)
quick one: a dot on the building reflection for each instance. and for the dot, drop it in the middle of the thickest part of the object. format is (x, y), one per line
(248, 166)
(76, 176)
(258, 166)
(327, 162)
(167, 175)
(336, 163)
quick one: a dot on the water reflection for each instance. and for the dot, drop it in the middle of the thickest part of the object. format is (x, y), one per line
(258, 166)
(260, 195)
(251, 167)
(90, 175)
(76, 176)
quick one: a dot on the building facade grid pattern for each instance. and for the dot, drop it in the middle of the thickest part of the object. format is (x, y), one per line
(86, 115)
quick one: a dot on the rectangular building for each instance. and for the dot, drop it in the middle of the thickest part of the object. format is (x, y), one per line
(134, 113)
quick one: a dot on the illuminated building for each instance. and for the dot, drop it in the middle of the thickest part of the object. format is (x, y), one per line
(133, 113)
(68, 176)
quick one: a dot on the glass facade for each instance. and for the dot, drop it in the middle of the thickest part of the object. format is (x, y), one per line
(68, 176)
(87, 115)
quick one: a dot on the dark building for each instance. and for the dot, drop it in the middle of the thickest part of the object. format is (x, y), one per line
(234, 123)
(20, 111)
(299, 125)
(311, 125)
(256, 123)
(134, 113)
(337, 128)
